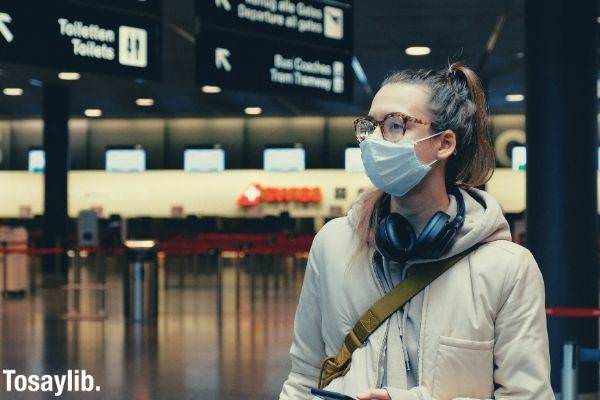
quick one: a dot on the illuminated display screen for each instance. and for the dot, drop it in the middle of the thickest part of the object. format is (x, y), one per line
(353, 161)
(126, 160)
(37, 161)
(284, 159)
(203, 160)
(519, 158)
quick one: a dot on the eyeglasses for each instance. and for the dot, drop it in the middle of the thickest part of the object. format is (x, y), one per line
(393, 126)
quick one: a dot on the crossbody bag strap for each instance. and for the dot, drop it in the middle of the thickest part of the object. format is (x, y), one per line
(380, 311)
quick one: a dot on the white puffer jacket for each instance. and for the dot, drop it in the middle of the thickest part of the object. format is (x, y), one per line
(483, 328)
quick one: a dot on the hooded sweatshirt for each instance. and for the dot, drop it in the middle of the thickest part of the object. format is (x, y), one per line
(483, 222)
(482, 329)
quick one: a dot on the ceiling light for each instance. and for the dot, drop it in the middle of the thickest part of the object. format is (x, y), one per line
(417, 51)
(211, 89)
(253, 110)
(12, 91)
(93, 112)
(144, 102)
(69, 76)
(514, 97)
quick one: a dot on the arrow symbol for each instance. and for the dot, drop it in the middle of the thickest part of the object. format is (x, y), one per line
(5, 19)
(221, 59)
(223, 3)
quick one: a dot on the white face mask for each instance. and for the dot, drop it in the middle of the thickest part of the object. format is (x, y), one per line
(393, 167)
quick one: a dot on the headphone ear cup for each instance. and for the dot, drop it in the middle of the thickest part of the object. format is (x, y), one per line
(432, 236)
(445, 243)
(395, 238)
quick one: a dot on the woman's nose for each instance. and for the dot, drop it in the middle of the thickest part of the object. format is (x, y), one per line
(377, 134)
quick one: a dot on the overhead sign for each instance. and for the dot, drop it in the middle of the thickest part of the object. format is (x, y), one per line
(227, 59)
(148, 6)
(316, 23)
(79, 38)
(280, 47)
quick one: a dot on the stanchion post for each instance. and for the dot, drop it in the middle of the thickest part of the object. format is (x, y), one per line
(219, 281)
(140, 284)
(4, 266)
(569, 370)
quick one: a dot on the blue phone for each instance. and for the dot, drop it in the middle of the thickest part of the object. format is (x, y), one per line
(325, 394)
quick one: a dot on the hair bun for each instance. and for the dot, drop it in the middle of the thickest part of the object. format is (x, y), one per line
(456, 70)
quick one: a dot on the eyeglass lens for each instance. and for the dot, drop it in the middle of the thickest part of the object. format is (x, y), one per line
(392, 130)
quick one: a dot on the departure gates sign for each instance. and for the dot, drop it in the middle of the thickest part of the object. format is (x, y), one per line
(281, 47)
(60, 35)
(327, 24)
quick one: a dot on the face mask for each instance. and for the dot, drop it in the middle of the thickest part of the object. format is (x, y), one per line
(393, 167)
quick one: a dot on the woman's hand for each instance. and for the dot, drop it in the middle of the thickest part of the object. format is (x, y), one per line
(375, 394)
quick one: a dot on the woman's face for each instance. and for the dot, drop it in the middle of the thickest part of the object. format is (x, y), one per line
(410, 99)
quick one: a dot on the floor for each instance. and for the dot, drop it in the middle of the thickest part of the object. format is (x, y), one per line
(211, 341)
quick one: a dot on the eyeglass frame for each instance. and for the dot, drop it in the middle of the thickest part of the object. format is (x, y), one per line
(405, 119)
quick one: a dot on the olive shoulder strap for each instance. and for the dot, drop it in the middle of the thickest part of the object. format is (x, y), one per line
(332, 367)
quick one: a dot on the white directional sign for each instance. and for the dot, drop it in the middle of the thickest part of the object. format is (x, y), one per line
(223, 3)
(222, 59)
(4, 31)
(333, 22)
(133, 46)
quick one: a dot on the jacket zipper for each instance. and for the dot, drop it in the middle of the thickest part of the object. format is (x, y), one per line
(403, 320)
(382, 292)
(378, 284)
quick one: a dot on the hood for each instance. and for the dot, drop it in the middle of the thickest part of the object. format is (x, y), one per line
(484, 220)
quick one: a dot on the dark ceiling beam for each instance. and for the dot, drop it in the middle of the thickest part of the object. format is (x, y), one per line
(493, 38)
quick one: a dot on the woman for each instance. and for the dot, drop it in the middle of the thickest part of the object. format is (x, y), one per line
(478, 331)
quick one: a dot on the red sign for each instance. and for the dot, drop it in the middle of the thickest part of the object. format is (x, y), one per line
(256, 194)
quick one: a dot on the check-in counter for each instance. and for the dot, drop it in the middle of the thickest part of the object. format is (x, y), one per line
(168, 193)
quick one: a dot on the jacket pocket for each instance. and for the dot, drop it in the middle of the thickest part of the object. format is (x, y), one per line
(463, 368)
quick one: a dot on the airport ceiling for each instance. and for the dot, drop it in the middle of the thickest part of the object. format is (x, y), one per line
(454, 30)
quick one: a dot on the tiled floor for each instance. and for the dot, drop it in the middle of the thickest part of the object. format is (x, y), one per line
(207, 344)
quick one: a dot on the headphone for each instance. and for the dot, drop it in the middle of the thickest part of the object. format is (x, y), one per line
(396, 240)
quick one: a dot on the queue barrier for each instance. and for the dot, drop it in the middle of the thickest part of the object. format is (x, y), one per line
(253, 249)
(249, 243)
(573, 354)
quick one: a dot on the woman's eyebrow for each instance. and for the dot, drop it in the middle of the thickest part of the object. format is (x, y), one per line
(382, 114)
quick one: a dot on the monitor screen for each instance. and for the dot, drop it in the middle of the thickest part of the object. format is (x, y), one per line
(519, 158)
(203, 160)
(353, 161)
(126, 160)
(37, 161)
(284, 159)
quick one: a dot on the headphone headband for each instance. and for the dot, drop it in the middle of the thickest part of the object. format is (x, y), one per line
(459, 219)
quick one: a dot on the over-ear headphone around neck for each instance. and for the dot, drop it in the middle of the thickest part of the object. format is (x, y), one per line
(396, 240)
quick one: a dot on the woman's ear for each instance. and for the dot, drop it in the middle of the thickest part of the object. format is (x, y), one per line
(448, 144)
